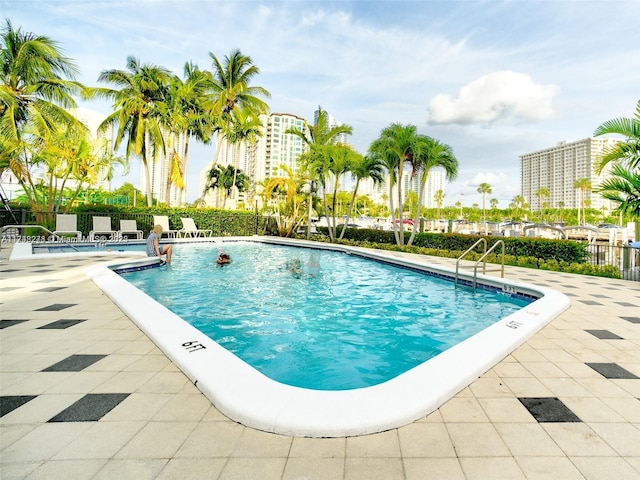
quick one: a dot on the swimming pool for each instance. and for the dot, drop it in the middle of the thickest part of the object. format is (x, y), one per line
(347, 323)
(246, 395)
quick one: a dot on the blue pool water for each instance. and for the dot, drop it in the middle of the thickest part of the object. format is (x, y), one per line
(349, 323)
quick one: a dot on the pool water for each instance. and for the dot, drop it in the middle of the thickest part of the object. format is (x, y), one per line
(343, 323)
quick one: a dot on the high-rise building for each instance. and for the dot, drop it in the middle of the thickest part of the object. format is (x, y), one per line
(558, 168)
(332, 122)
(261, 160)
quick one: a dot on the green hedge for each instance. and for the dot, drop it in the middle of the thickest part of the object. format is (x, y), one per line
(540, 248)
(220, 222)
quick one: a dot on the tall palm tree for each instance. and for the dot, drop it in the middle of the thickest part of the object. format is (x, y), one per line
(430, 153)
(316, 137)
(362, 168)
(484, 188)
(138, 103)
(583, 184)
(396, 145)
(627, 152)
(187, 116)
(36, 87)
(231, 89)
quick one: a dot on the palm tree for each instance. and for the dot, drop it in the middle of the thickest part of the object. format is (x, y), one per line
(439, 199)
(362, 168)
(494, 203)
(316, 137)
(430, 153)
(290, 213)
(187, 116)
(542, 193)
(138, 106)
(583, 184)
(517, 203)
(623, 187)
(231, 89)
(225, 179)
(395, 145)
(484, 188)
(627, 152)
(38, 84)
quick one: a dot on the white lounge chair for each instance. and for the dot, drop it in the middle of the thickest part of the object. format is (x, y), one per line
(67, 224)
(163, 221)
(189, 229)
(102, 229)
(129, 227)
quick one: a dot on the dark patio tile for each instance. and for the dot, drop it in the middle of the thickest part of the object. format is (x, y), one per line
(10, 323)
(548, 410)
(60, 324)
(8, 270)
(56, 307)
(597, 295)
(568, 286)
(8, 289)
(42, 271)
(604, 334)
(49, 289)
(590, 302)
(627, 304)
(90, 408)
(48, 280)
(10, 402)
(631, 319)
(74, 363)
(612, 370)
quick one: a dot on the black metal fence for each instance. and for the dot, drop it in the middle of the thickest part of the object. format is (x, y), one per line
(625, 258)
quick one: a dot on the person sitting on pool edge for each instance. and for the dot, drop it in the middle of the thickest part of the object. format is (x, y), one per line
(223, 258)
(154, 249)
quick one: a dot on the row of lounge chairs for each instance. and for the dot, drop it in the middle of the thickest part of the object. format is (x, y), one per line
(67, 225)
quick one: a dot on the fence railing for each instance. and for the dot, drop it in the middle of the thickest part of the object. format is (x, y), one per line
(625, 258)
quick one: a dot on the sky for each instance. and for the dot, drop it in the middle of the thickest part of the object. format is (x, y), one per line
(492, 79)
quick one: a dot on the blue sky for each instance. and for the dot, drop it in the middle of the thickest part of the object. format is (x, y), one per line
(492, 79)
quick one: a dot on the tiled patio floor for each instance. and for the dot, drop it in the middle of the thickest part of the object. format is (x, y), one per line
(86, 395)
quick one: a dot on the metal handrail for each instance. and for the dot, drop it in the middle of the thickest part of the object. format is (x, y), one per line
(481, 240)
(483, 259)
(7, 227)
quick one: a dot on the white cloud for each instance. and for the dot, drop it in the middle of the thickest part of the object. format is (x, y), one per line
(506, 97)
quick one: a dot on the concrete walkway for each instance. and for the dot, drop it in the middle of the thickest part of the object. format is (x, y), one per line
(86, 395)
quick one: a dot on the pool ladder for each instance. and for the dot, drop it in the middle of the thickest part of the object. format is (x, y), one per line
(482, 259)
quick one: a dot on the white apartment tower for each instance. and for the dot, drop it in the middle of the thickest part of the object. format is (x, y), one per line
(557, 169)
(331, 123)
(264, 158)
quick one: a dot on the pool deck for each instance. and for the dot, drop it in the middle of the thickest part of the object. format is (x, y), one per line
(86, 395)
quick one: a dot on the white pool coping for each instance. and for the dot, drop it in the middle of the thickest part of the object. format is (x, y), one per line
(247, 396)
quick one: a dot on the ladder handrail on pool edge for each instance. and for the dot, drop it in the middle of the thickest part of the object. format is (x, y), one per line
(7, 227)
(482, 259)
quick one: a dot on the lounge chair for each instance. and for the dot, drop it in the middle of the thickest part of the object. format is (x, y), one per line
(163, 221)
(129, 228)
(189, 229)
(67, 224)
(102, 229)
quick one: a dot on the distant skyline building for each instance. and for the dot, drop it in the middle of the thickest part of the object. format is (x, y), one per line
(558, 168)
(332, 122)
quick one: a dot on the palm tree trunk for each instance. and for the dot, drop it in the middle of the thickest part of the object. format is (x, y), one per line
(416, 221)
(350, 210)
